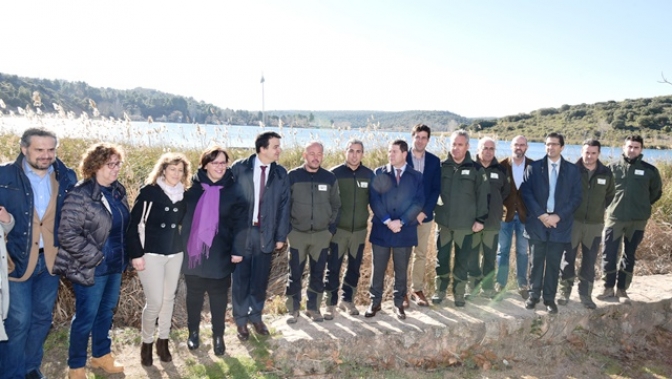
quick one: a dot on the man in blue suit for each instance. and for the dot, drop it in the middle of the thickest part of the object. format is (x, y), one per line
(551, 191)
(396, 197)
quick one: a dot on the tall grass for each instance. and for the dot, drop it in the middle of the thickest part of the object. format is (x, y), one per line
(653, 255)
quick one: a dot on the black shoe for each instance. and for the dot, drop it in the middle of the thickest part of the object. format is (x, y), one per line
(260, 328)
(163, 351)
(145, 355)
(399, 311)
(192, 342)
(551, 308)
(218, 345)
(588, 302)
(243, 333)
(531, 302)
(373, 309)
(35, 374)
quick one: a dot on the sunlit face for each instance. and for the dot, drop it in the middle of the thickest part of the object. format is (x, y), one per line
(41, 153)
(354, 154)
(459, 148)
(173, 174)
(109, 173)
(217, 168)
(519, 147)
(420, 141)
(313, 157)
(486, 152)
(632, 149)
(553, 148)
(589, 155)
(272, 152)
(396, 157)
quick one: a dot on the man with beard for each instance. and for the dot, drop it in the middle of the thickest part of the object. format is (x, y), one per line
(314, 209)
(32, 189)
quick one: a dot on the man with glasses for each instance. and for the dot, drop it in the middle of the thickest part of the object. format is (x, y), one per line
(551, 190)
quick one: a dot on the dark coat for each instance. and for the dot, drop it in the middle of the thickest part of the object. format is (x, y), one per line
(393, 201)
(162, 229)
(514, 202)
(230, 237)
(431, 180)
(85, 227)
(568, 196)
(16, 195)
(274, 213)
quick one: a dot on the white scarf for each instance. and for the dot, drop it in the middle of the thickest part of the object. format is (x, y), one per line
(175, 193)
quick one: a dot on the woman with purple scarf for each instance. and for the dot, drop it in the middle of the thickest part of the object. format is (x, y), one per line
(214, 232)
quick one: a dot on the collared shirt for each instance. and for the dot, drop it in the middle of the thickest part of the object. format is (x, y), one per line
(41, 190)
(257, 186)
(550, 167)
(518, 171)
(402, 168)
(418, 163)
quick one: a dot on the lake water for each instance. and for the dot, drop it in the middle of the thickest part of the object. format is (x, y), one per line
(178, 136)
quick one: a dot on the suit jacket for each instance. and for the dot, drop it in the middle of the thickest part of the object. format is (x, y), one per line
(514, 202)
(431, 179)
(393, 201)
(568, 194)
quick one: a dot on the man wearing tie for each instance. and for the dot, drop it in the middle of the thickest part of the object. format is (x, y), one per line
(551, 191)
(397, 197)
(266, 187)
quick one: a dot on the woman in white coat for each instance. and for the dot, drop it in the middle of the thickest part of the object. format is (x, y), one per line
(6, 224)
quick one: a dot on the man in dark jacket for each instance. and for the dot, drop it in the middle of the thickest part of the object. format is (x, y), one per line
(429, 166)
(482, 272)
(514, 220)
(265, 185)
(32, 189)
(461, 212)
(353, 184)
(552, 192)
(397, 196)
(638, 187)
(597, 184)
(314, 208)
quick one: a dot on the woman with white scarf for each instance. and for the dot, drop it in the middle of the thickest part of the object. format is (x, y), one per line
(156, 247)
(6, 225)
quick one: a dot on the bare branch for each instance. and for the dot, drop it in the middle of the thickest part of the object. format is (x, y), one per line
(664, 81)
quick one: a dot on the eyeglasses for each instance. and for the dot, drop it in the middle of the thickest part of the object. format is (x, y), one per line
(220, 164)
(113, 165)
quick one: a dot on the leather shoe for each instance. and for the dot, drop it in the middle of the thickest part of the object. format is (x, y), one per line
(399, 311)
(243, 333)
(192, 342)
(405, 303)
(261, 328)
(35, 374)
(551, 308)
(373, 309)
(419, 299)
(531, 302)
(218, 345)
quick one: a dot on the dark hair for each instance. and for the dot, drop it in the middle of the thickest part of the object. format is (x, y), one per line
(635, 138)
(421, 128)
(263, 140)
(593, 142)
(403, 146)
(210, 154)
(557, 135)
(96, 156)
(36, 132)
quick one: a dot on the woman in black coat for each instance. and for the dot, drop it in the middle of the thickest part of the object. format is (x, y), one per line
(160, 206)
(214, 235)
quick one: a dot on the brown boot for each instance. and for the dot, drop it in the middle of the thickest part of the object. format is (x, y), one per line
(146, 353)
(162, 350)
(77, 373)
(107, 363)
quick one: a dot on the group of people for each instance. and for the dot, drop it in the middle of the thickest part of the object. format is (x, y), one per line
(220, 226)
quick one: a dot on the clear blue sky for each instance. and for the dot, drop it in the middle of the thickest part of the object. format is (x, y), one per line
(474, 58)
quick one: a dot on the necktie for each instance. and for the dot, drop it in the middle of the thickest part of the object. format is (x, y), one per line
(550, 205)
(398, 175)
(262, 187)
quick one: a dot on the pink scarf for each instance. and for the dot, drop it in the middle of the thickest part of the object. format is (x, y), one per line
(204, 226)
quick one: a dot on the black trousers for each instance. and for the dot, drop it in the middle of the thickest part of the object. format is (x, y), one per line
(545, 258)
(218, 293)
(587, 270)
(614, 268)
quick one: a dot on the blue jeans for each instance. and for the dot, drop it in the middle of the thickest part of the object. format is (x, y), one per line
(505, 237)
(93, 317)
(28, 322)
